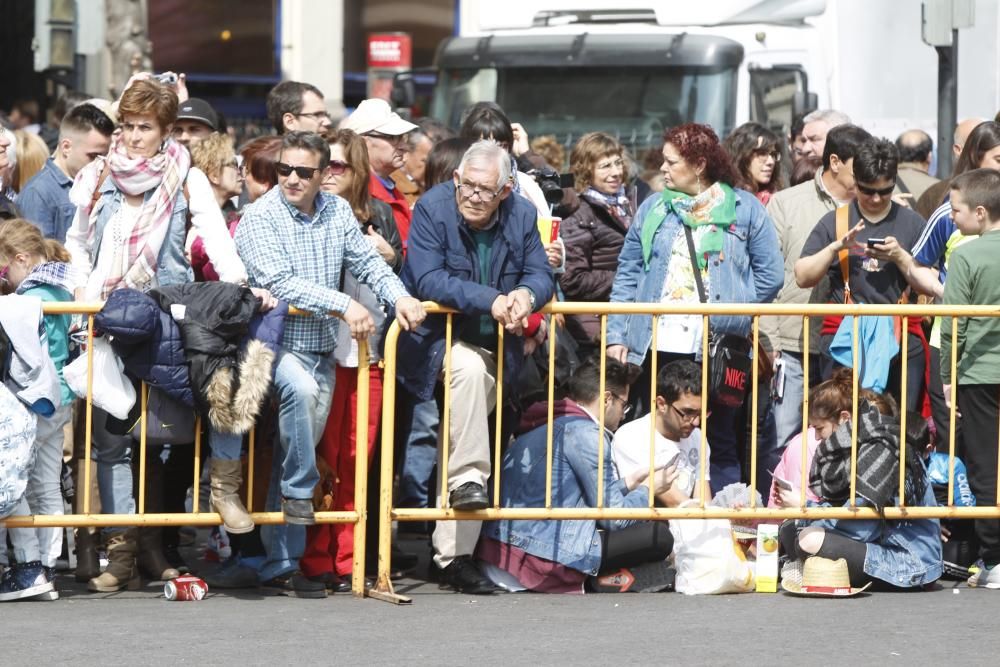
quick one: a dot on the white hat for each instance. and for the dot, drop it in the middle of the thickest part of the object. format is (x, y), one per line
(375, 115)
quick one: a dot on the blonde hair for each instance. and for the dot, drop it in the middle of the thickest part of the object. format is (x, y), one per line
(20, 237)
(356, 156)
(31, 156)
(213, 153)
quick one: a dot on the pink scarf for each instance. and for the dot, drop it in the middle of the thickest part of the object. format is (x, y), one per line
(165, 173)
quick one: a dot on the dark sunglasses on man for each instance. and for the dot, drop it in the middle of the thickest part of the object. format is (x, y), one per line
(871, 192)
(305, 173)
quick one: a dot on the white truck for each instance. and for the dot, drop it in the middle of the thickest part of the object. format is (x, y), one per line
(566, 67)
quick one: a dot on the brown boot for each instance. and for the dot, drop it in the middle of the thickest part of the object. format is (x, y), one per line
(226, 477)
(122, 570)
(152, 561)
(87, 564)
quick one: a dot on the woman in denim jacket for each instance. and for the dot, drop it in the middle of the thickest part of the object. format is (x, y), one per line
(902, 553)
(738, 257)
(557, 556)
(133, 210)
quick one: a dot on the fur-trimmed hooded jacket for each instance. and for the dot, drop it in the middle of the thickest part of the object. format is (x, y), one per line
(230, 380)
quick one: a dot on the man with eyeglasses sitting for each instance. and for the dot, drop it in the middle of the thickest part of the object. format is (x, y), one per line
(474, 248)
(675, 421)
(384, 133)
(297, 241)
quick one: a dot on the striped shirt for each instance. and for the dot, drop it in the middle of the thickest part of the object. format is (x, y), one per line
(299, 259)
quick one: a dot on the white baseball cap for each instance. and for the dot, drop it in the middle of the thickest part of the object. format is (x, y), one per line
(375, 115)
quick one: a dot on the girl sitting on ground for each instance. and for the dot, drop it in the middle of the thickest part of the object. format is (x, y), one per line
(894, 554)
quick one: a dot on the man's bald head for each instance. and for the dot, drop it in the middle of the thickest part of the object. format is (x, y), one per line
(915, 147)
(962, 132)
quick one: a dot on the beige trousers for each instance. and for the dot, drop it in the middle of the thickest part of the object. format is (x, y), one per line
(473, 397)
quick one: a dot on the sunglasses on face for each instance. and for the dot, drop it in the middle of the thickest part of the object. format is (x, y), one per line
(305, 173)
(338, 167)
(871, 192)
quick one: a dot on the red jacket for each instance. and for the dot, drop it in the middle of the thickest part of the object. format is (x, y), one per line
(400, 208)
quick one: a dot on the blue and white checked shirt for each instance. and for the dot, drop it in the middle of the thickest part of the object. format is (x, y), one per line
(299, 260)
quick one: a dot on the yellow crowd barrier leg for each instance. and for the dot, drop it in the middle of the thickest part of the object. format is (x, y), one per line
(653, 351)
(361, 472)
(89, 417)
(551, 414)
(804, 472)
(702, 482)
(144, 397)
(903, 357)
(383, 586)
(755, 372)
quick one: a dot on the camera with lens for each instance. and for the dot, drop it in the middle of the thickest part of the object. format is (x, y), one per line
(549, 181)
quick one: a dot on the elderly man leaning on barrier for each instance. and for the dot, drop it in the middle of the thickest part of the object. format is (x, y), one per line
(297, 241)
(476, 249)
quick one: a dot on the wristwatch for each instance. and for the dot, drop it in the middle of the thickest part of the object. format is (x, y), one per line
(531, 297)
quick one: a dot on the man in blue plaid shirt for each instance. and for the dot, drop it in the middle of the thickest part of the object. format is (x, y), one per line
(295, 242)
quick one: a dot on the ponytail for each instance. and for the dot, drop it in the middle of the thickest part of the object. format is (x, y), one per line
(56, 252)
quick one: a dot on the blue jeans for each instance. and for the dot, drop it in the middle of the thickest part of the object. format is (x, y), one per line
(419, 429)
(788, 408)
(225, 446)
(113, 454)
(304, 385)
(284, 544)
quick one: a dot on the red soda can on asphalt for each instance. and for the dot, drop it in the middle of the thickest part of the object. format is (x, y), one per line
(185, 588)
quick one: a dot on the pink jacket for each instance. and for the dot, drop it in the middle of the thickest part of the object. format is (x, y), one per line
(790, 466)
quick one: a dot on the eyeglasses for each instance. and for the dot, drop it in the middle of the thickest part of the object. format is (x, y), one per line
(871, 192)
(316, 115)
(468, 191)
(687, 416)
(338, 167)
(396, 141)
(775, 154)
(305, 173)
(626, 408)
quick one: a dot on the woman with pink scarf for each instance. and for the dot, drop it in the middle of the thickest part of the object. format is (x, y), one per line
(134, 209)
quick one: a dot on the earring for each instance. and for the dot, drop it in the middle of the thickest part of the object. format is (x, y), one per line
(699, 184)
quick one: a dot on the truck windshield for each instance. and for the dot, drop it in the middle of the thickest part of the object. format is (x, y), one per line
(633, 103)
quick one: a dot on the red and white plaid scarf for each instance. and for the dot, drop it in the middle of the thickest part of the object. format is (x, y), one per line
(135, 262)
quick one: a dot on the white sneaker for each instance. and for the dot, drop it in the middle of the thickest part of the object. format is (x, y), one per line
(983, 576)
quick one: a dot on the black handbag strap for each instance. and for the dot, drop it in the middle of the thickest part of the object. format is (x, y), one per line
(694, 264)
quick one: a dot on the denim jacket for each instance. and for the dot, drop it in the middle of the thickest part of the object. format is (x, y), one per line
(750, 269)
(573, 543)
(173, 267)
(904, 553)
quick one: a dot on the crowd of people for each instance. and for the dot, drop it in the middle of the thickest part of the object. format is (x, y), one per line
(197, 250)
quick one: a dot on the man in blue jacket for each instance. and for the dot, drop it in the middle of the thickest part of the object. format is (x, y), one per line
(476, 249)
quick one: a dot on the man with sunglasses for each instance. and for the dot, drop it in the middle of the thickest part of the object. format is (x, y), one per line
(474, 248)
(384, 133)
(880, 234)
(675, 423)
(297, 241)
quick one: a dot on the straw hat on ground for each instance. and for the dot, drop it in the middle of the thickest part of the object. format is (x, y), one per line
(822, 577)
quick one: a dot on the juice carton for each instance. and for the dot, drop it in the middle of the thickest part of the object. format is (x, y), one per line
(767, 558)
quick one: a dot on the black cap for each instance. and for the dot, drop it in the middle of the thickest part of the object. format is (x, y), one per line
(199, 110)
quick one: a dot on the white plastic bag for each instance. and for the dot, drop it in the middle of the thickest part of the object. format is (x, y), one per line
(708, 559)
(113, 392)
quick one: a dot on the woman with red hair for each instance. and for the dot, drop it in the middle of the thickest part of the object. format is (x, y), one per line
(700, 240)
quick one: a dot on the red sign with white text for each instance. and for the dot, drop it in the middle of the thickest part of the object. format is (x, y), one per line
(386, 50)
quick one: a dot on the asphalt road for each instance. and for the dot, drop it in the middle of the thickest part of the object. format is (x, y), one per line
(952, 625)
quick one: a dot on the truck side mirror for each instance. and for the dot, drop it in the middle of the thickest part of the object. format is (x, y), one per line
(803, 102)
(404, 90)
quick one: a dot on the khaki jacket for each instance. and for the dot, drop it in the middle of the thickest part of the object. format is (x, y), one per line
(795, 212)
(916, 180)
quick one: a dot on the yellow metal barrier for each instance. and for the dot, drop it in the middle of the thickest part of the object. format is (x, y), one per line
(387, 513)
(197, 518)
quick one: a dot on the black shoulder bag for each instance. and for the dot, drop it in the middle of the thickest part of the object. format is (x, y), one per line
(728, 355)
